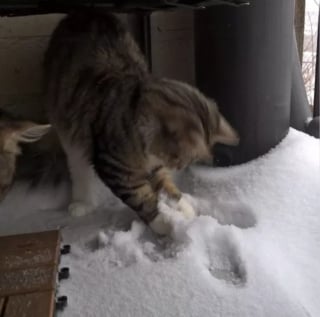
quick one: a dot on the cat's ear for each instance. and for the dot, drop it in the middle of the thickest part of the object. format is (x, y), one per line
(14, 132)
(226, 134)
(29, 132)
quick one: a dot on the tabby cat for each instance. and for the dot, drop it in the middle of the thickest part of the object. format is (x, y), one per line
(119, 122)
(12, 132)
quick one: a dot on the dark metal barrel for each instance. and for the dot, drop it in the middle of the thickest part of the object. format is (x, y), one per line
(244, 61)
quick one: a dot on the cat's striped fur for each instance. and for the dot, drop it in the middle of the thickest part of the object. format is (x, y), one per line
(113, 115)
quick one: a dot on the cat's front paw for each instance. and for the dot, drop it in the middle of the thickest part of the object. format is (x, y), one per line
(79, 209)
(161, 225)
(186, 208)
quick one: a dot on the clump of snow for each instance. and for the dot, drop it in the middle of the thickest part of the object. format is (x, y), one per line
(253, 250)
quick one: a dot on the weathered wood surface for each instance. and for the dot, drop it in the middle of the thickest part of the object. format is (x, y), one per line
(28, 272)
(30, 305)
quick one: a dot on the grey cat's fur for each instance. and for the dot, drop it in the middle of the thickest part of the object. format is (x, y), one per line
(116, 120)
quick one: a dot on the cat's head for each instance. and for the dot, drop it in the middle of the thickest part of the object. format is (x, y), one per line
(187, 124)
(12, 133)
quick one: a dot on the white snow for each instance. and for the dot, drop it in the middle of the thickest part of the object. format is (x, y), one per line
(254, 249)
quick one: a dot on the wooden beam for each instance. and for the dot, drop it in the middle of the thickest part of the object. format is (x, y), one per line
(299, 25)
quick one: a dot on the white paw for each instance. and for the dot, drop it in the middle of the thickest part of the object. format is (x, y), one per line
(79, 209)
(161, 225)
(186, 209)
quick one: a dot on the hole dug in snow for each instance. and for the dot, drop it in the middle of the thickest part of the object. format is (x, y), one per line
(225, 262)
(202, 239)
(215, 249)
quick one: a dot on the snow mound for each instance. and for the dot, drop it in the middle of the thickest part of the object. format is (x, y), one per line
(253, 249)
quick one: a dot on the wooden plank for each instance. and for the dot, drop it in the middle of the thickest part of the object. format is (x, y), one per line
(29, 250)
(28, 269)
(31, 305)
(28, 262)
(27, 280)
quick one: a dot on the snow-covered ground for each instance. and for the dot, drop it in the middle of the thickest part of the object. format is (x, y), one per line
(253, 251)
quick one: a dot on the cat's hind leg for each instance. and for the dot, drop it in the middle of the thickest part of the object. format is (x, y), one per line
(85, 182)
